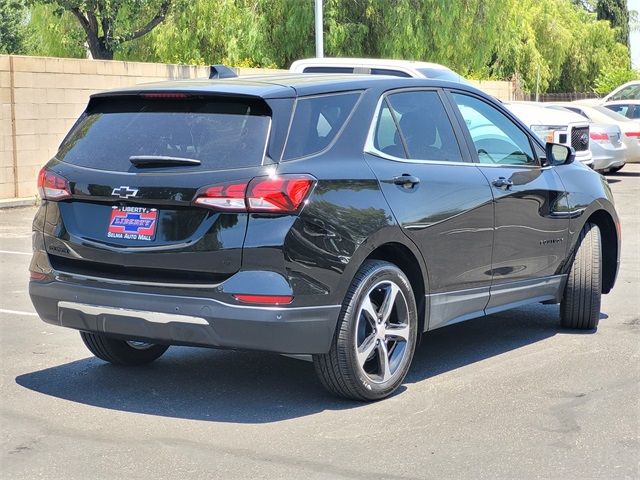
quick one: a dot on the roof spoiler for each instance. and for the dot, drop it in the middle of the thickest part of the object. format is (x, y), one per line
(221, 71)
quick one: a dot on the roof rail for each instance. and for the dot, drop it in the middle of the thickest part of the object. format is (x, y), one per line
(221, 71)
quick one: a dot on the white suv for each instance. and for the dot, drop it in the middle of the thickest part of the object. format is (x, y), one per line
(375, 66)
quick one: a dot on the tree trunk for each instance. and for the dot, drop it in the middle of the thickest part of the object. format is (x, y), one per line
(99, 50)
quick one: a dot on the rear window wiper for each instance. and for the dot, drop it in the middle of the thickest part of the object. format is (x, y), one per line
(162, 161)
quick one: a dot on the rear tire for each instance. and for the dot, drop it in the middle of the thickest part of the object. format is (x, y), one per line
(375, 338)
(580, 306)
(616, 169)
(122, 352)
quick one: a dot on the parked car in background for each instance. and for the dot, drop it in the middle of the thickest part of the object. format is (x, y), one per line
(376, 66)
(627, 91)
(626, 108)
(563, 127)
(597, 113)
(339, 216)
(606, 142)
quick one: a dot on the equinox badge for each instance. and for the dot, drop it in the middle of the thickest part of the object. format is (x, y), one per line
(125, 192)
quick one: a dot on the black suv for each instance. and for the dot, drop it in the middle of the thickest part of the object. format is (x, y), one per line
(336, 216)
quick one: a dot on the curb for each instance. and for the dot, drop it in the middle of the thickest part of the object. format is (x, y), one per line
(17, 202)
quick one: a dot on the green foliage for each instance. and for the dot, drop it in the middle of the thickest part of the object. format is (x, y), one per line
(612, 77)
(12, 30)
(54, 34)
(559, 45)
(617, 13)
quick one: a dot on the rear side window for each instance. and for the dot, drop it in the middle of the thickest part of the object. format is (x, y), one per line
(317, 121)
(387, 71)
(425, 131)
(221, 133)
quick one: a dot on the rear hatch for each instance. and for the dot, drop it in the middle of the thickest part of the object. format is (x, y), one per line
(134, 165)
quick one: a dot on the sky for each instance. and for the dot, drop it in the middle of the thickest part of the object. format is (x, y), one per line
(635, 36)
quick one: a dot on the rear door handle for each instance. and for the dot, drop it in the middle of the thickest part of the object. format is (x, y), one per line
(405, 180)
(502, 182)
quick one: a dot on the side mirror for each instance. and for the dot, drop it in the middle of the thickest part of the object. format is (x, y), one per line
(559, 154)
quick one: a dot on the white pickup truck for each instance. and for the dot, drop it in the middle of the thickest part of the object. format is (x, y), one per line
(556, 126)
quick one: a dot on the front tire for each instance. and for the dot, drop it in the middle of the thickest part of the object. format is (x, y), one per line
(580, 306)
(375, 337)
(122, 352)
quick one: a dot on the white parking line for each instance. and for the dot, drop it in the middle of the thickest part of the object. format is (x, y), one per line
(15, 253)
(18, 312)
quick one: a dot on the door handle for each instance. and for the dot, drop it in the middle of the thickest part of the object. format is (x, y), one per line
(405, 180)
(502, 182)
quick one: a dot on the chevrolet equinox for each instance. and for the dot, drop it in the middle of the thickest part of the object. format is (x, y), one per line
(338, 216)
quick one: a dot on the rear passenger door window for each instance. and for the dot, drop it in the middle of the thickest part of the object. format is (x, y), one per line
(415, 125)
(317, 121)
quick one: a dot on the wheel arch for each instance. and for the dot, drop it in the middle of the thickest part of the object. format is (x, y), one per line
(405, 260)
(609, 236)
(394, 247)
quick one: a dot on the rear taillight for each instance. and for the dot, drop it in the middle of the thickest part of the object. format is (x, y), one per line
(229, 196)
(281, 194)
(52, 186)
(632, 134)
(599, 136)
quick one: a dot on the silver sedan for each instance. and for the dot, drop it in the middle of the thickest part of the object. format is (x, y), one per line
(605, 143)
(630, 128)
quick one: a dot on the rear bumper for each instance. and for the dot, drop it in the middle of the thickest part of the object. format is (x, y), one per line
(182, 320)
(605, 158)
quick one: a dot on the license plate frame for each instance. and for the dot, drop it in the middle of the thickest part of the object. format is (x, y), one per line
(133, 223)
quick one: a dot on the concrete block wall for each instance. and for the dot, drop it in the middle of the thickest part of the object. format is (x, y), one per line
(41, 98)
(503, 90)
(7, 174)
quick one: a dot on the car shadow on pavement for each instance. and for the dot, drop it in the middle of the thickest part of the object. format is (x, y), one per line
(241, 387)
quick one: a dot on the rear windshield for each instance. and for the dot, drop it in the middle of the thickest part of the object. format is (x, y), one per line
(221, 133)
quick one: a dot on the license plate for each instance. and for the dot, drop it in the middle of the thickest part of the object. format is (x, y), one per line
(133, 223)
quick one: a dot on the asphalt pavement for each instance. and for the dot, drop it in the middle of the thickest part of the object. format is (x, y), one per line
(507, 396)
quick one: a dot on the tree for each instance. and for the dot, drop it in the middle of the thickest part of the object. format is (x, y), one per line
(617, 13)
(51, 33)
(12, 15)
(108, 24)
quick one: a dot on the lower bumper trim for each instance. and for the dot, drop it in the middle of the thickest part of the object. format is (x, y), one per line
(154, 317)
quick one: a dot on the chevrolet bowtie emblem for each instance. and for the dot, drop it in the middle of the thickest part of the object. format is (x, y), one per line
(125, 192)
